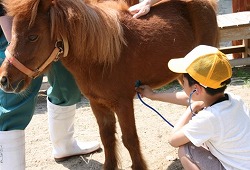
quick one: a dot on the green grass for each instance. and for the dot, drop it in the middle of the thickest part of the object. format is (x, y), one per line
(242, 74)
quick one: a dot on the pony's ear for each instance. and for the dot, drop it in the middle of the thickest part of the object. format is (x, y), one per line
(45, 5)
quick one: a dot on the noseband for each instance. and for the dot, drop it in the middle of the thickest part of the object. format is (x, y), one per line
(54, 56)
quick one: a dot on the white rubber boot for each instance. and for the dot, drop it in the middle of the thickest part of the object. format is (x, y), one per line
(12, 150)
(61, 129)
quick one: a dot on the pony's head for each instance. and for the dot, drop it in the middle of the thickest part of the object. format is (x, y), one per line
(43, 29)
(29, 35)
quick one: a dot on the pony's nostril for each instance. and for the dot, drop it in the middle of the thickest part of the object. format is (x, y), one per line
(4, 81)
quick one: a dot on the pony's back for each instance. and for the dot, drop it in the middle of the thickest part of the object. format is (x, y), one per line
(170, 30)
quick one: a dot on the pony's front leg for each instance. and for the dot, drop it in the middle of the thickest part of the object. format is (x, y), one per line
(107, 129)
(125, 114)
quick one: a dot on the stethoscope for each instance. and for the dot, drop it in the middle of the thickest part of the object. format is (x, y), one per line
(189, 101)
(138, 83)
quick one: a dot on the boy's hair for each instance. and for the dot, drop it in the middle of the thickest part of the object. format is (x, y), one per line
(209, 90)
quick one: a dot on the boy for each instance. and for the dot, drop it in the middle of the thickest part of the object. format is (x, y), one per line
(213, 133)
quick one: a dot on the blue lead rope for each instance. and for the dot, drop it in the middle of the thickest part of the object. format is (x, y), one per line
(137, 84)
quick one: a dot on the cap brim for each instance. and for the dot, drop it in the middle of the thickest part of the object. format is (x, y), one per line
(178, 65)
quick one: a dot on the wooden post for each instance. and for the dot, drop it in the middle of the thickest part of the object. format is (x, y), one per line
(238, 6)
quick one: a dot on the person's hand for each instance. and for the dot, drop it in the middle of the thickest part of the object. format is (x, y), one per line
(197, 106)
(145, 91)
(140, 9)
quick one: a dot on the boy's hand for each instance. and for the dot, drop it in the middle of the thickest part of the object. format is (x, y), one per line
(145, 91)
(197, 106)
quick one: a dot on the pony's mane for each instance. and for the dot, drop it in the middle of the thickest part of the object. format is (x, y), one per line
(91, 28)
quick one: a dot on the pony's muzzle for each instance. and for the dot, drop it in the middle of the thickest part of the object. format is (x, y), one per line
(9, 87)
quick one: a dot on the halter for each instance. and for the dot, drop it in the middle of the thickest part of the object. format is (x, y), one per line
(54, 56)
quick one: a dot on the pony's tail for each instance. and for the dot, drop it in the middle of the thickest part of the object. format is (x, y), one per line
(214, 4)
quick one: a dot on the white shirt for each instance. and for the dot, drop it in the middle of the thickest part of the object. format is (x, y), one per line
(225, 129)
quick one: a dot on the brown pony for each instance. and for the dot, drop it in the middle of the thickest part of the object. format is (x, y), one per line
(107, 51)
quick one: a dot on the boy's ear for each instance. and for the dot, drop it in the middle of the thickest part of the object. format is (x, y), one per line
(197, 88)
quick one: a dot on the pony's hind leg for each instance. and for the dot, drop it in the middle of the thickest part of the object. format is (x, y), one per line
(125, 114)
(107, 129)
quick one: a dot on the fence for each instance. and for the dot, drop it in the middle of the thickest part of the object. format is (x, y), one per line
(236, 26)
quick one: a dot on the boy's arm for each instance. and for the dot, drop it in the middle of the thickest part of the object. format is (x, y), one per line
(178, 138)
(179, 98)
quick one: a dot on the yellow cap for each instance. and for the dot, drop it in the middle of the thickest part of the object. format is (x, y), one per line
(205, 64)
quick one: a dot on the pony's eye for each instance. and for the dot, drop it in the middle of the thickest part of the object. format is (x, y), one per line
(33, 38)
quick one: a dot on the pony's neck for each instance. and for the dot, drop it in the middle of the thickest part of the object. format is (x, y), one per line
(98, 33)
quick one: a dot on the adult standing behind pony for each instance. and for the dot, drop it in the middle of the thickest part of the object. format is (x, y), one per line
(104, 48)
